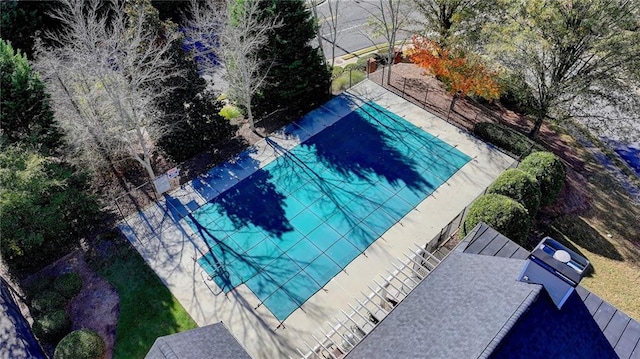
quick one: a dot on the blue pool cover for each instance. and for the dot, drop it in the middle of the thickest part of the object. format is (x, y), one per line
(290, 227)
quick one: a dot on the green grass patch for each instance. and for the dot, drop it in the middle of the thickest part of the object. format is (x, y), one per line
(343, 81)
(607, 234)
(148, 310)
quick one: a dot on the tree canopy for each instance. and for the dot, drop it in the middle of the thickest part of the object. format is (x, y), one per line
(449, 22)
(103, 77)
(571, 52)
(44, 208)
(461, 72)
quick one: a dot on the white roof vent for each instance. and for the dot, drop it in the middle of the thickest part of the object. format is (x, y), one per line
(555, 267)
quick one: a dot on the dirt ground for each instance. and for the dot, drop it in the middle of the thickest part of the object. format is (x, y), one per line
(96, 306)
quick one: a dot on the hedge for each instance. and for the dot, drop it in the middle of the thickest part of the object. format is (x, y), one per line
(506, 138)
(52, 326)
(39, 285)
(47, 301)
(68, 284)
(519, 185)
(549, 171)
(80, 344)
(502, 213)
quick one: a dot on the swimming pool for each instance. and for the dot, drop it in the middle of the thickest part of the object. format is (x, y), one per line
(291, 226)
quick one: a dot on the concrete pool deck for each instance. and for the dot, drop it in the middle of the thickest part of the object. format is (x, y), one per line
(171, 249)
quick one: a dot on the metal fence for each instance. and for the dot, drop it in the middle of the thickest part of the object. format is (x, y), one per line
(447, 232)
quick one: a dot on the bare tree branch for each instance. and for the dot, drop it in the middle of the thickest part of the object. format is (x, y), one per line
(104, 79)
(234, 30)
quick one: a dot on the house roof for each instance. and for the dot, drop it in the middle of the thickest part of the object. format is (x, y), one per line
(212, 341)
(585, 327)
(461, 310)
(16, 339)
(471, 306)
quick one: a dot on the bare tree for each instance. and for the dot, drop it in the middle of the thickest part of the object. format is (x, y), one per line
(104, 79)
(388, 20)
(235, 31)
(331, 20)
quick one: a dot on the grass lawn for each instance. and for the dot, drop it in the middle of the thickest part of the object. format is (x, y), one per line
(608, 234)
(147, 308)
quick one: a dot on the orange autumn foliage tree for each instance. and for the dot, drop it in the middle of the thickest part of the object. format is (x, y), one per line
(459, 72)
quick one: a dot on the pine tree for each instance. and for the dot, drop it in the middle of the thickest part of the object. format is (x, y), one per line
(297, 80)
(25, 115)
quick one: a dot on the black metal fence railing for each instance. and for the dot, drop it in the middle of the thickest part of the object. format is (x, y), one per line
(448, 231)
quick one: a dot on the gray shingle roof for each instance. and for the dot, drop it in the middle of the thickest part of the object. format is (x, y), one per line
(212, 342)
(459, 311)
(471, 306)
(16, 339)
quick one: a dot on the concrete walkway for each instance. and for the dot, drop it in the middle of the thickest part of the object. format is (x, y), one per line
(171, 248)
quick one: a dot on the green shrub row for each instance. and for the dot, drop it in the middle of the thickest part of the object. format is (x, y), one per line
(514, 198)
(342, 82)
(68, 284)
(502, 213)
(80, 344)
(520, 186)
(506, 138)
(52, 326)
(549, 171)
(48, 298)
(47, 301)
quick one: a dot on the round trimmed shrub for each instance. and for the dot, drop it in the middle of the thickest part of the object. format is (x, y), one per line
(502, 213)
(519, 185)
(52, 326)
(39, 285)
(550, 173)
(68, 285)
(47, 301)
(80, 344)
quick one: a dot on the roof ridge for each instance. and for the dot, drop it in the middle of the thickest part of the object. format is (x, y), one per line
(513, 319)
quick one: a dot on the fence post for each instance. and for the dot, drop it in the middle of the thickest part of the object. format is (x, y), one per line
(425, 97)
(382, 81)
(350, 71)
(404, 86)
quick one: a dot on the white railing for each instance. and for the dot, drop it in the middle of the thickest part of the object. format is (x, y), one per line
(347, 329)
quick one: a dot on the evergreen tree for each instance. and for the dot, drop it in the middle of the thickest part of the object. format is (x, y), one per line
(45, 208)
(25, 115)
(297, 80)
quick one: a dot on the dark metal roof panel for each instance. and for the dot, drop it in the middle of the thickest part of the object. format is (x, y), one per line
(604, 314)
(16, 339)
(592, 302)
(629, 341)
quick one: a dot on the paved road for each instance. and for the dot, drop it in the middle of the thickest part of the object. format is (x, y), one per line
(353, 32)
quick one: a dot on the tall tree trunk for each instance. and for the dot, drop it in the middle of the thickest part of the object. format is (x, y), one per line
(536, 126)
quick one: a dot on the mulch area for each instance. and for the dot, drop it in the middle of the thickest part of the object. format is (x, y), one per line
(410, 82)
(96, 306)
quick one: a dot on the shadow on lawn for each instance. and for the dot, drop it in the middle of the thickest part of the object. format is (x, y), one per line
(575, 233)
